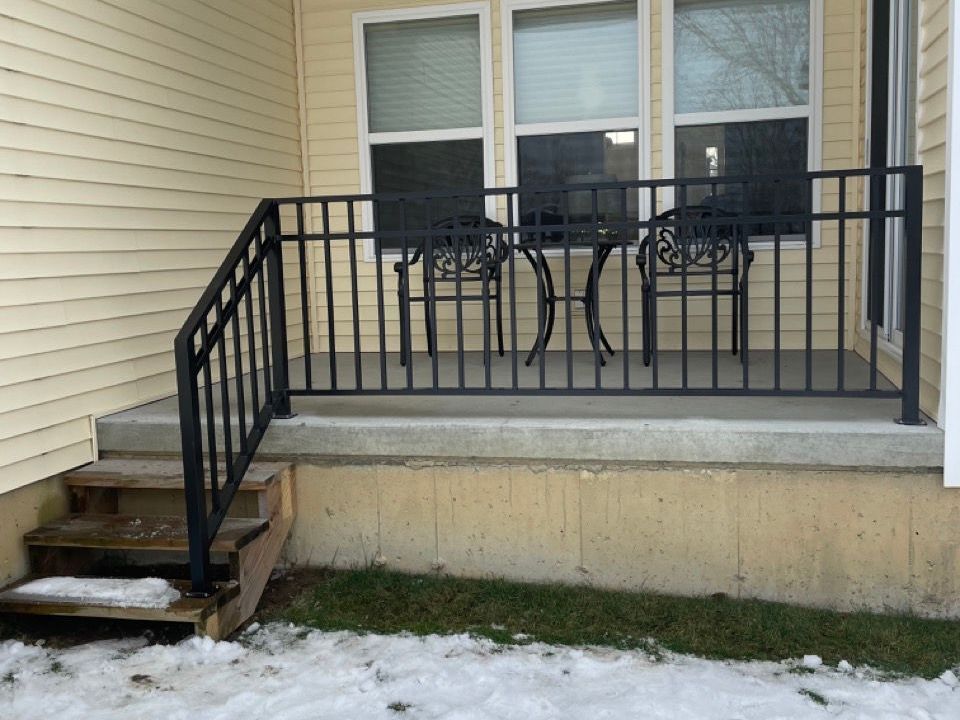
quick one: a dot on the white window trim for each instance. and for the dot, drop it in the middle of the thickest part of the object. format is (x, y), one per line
(511, 130)
(813, 111)
(365, 139)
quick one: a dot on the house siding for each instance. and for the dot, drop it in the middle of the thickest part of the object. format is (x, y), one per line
(334, 154)
(932, 153)
(136, 137)
(932, 121)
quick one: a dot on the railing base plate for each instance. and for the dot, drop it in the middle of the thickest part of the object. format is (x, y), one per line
(917, 423)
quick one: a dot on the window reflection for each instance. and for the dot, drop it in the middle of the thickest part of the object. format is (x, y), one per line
(746, 149)
(579, 158)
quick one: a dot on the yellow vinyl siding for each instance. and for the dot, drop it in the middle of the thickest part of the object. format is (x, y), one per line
(334, 160)
(932, 120)
(932, 152)
(136, 137)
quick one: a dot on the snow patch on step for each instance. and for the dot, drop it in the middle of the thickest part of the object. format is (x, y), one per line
(110, 592)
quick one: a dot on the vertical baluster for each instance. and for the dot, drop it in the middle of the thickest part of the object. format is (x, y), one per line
(251, 340)
(541, 296)
(238, 363)
(354, 295)
(714, 299)
(652, 264)
(224, 393)
(777, 292)
(841, 281)
(328, 279)
(743, 232)
(458, 297)
(485, 299)
(405, 299)
(261, 259)
(511, 260)
(624, 300)
(684, 247)
(567, 284)
(429, 303)
(381, 318)
(211, 421)
(808, 241)
(304, 298)
(595, 288)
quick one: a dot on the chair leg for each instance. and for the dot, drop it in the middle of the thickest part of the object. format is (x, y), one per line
(427, 316)
(646, 327)
(428, 325)
(744, 314)
(403, 322)
(499, 290)
(734, 311)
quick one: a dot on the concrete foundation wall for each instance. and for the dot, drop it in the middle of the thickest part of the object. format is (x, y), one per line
(21, 511)
(887, 541)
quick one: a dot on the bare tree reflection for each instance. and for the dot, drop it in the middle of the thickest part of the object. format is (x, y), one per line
(742, 54)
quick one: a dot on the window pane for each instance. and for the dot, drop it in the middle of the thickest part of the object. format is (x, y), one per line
(576, 63)
(740, 54)
(424, 74)
(574, 158)
(412, 167)
(755, 148)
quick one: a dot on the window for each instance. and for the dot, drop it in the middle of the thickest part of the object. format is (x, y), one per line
(575, 103)
(743, 100)
(424, 111)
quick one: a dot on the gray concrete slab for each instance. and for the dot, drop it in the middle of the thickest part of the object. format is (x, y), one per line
(808, 432)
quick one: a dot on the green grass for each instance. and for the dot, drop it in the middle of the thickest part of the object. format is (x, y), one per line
(715, 627)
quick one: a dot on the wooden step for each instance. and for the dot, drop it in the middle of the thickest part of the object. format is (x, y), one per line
(198, 611)
(154, 474)
(126, 532)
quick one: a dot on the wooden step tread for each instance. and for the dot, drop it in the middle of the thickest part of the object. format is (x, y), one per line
(186, 609)
(127, 532)
(153, 474)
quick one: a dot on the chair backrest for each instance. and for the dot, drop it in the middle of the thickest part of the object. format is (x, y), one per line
(692, 236)
(470, 243)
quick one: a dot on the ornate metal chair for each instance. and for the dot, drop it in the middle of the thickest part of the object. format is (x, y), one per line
(466, 250)
(697, 242)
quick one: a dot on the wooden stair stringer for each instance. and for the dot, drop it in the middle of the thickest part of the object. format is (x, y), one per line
(252, 565)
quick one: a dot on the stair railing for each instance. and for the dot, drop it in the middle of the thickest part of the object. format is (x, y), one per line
(239, 319)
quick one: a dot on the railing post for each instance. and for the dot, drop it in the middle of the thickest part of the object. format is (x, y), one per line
(278, 315)
(912, 253)
(191, 442)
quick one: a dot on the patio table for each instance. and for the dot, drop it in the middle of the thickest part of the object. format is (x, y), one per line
(548, 297)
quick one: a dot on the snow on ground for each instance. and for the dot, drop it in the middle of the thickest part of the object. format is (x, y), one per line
(287, 673)
(142, 592)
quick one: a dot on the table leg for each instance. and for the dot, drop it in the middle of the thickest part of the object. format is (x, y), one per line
(602, 257)
(548, 298)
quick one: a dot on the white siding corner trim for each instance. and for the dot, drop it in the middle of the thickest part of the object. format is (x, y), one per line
(950, 380)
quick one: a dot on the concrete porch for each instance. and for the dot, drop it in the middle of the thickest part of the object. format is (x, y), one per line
(777, 431)
(824, 502)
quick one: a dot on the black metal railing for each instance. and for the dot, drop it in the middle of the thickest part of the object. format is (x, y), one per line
(732, 286)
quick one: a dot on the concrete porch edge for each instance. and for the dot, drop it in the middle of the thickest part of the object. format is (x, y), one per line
(759, 432)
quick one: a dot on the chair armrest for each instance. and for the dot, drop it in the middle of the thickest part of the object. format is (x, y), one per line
(412, 260)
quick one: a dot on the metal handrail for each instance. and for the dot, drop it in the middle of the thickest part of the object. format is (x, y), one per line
(233, 347)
